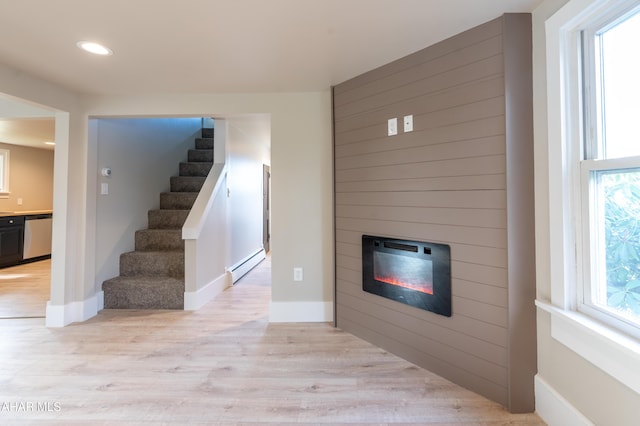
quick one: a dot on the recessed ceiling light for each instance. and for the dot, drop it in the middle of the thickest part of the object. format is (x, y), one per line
(94, 48)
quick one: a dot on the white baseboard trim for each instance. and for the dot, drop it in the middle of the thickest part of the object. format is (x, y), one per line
(194, 300)
(301, 312)
(100, 300)
(245, 265)
(554, 409)
(62, 315)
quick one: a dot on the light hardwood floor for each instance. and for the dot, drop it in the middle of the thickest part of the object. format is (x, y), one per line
(24, 290)
(224, 364)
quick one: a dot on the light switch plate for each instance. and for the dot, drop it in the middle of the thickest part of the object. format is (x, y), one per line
(297, 274)
(104, 189)
(408, 123)
(392, 127)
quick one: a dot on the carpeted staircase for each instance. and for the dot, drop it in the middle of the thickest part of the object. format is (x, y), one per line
(152, 276)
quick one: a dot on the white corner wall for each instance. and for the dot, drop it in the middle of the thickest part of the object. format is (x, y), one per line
(302, 213)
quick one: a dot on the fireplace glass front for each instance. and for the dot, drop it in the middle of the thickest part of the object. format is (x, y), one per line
(411, 272)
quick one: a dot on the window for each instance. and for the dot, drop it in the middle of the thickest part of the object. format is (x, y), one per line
(4, 173)
(609, 166)
(592, 184)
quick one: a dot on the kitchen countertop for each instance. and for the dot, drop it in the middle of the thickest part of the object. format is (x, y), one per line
(25, 213)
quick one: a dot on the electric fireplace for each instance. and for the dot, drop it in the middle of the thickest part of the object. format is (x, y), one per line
(412, 272)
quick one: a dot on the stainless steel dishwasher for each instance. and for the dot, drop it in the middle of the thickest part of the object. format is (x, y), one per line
(37, 236)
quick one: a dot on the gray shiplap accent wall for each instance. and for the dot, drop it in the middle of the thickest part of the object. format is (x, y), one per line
(463, 177)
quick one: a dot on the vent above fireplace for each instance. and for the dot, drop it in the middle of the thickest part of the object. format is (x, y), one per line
(411, 272)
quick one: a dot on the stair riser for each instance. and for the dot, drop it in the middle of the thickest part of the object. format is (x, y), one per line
(195, 169)
(167, 219)
(155, 240)
(177, 200)
(120, 293)
(200, 156)
(204, 143)
(153, 264)
(186, 183)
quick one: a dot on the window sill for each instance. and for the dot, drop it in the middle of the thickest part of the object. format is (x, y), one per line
(4, 194)
(613, 352)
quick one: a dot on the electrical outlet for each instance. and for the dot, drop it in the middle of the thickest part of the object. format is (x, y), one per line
(392, 127)
(408, 123)
(19, 201)
(297, 274)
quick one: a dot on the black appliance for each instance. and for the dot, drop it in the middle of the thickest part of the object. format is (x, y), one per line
(415, 273)
(11, 239)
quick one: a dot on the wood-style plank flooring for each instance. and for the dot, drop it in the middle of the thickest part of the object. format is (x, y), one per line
(224, 364)
(24, 290)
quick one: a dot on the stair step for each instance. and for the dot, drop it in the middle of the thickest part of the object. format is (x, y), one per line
(159, 239)
(195, 169)
(177, 200)
(143, 293)
(152, 264)
(200, 156)
(187, 183)
(204, 143)
(167, 218)
(207, 132)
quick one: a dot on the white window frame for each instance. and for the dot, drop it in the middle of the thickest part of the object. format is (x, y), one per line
(5, 160)
(614, 351)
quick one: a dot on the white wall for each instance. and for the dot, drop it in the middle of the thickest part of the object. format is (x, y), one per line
(302, 174)
(575, 387)
(143, 153)
(248, 148)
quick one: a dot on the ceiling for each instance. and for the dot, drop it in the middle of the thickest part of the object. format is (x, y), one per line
(216, 46)
(32, 132)
(226, 46)
(25, 124)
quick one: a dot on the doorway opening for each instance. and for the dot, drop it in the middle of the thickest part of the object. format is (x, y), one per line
(28, 137)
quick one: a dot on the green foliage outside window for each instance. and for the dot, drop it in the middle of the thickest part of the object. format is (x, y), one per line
(622, 240)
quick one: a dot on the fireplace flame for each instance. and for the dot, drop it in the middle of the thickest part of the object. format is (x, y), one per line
(428, 289)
